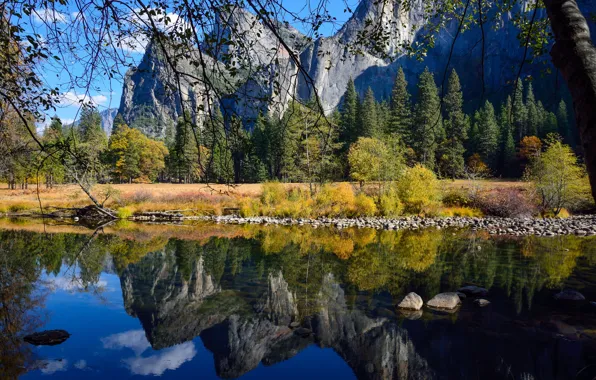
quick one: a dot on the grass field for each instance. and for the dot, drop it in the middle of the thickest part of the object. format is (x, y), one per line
(207, 198)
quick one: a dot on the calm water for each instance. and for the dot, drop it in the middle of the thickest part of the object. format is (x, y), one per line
(210, 301)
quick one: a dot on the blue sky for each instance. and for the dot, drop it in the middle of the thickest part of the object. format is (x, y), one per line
(106, 93)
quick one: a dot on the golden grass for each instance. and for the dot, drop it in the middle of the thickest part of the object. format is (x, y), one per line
(191, 199)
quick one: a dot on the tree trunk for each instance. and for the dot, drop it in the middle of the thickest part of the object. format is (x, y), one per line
(574, 55)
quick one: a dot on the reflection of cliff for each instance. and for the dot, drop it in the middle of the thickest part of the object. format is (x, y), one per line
(164, 300)
(375, 348)
(244, 320)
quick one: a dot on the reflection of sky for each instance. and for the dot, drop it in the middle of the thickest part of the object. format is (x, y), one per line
(107, 342)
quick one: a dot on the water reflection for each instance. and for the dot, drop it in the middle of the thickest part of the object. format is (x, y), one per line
(239, 288)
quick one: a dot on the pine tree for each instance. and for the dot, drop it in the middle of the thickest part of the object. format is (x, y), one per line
(55, 128)
(349, 116)
(455, 126)
(118, 121)
(532, 118)
(551, 123)
(540, 119)
(185, 153)
(488, 134)
(369, 117)
(383, 116)
(508, 157)
(563, 123)
(400, 108)
(519, 113)
(427, 129)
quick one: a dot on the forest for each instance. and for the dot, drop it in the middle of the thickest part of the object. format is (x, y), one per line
(303, 145)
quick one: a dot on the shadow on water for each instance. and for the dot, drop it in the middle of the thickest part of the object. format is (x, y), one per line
(256, 296)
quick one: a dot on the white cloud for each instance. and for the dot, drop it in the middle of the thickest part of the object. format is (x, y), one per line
(71, 98)
(70, 284)
(132, 44)
(168, 359)
(48, 367)
(133, 339)
(49, 16)
(81, 364)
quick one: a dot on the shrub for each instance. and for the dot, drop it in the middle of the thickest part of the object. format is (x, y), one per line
(419, 190)
(141, 196)
(273, 193)
(124, 212)
(457, 198)
(364, 206)
(248, 207)
(390, 204)
(459, 211)
(17, 207)
(335, 200)
(506, 203)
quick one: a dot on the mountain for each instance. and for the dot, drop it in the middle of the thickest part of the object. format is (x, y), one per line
(107, 119)
(263, 78)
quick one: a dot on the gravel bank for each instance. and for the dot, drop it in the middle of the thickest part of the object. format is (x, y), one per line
(584, 225)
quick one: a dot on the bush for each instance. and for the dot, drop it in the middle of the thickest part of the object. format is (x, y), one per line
(335, 200)
(249, 207)
(419, 190)
(457, 198)
(506, 203)
(141, 196)
(364, 206)
(124, 212)
(273, 193)
(459, 211)
(390, 204)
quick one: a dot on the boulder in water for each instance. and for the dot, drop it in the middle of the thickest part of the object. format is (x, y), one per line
(472, 290)
(446, 301)
(411, 301)
(47, 338)
(569, 295)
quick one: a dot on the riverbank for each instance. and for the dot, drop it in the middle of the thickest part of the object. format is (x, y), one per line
(584, 225)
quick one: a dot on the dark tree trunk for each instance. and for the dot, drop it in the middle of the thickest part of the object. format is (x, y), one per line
(574, 55)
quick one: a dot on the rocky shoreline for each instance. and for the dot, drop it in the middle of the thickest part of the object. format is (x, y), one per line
(584, 225)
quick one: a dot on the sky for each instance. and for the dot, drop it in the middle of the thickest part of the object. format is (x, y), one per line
(106, 93)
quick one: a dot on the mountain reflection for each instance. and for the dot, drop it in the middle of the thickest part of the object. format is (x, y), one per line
(243, 290)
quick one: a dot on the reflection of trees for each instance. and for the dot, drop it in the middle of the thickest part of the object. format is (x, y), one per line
(21, 301)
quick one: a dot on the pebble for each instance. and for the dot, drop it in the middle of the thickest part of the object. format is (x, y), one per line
(581, 225)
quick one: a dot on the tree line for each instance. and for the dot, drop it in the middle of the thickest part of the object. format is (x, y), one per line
(363, 140)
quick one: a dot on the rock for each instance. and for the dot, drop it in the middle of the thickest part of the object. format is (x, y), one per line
(411, 301)
(303, 332)
(47, 338)
(294, 325)
(481, 302)
(444, 301)
(462, 296)
(569, 295)
(473, 290)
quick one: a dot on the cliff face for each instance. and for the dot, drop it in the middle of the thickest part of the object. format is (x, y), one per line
(267, 78)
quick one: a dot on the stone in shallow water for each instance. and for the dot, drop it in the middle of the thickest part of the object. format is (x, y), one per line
(569, 295)
(461, 295)
(481, 302)
(444, 301)
(294, 324)
(473, 291)
(411, 301)
(47, 338)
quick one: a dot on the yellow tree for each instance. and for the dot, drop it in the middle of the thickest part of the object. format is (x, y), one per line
(557, 177)
(134, 156)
